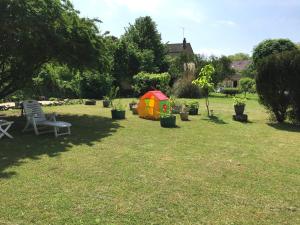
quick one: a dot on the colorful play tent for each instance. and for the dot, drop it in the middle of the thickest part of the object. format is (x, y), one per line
(152, 104)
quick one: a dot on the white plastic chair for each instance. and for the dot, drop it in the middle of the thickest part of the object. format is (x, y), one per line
(36, 118)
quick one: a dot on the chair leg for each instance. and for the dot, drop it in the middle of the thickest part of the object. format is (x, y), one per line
(4, 132)
(55, 132)
(26, 126)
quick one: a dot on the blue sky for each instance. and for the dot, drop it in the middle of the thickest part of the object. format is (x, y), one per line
(212, 26)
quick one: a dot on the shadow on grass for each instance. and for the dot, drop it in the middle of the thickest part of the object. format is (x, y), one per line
(85, 129)
(215, 119)
(285, 127)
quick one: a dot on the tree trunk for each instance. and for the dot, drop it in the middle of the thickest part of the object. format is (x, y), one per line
(207, 106)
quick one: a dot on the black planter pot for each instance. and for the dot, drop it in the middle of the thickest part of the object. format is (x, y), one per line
(131, 105)
(118, 114)
(193, 111)
(106, 103)
(169, 121)
(239, 109)
(90, 102)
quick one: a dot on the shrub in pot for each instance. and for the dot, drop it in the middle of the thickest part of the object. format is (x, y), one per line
(239, 105)
(184, 113)
(118, 112)
(90, 102)
(193, 108)
(168, 120)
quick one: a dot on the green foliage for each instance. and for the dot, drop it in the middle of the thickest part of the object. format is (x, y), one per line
(250, 71)
(230, 91)
(183, 88)
(144, 35)
(271, 46)
(205, 82)
(222, 66)
(192, 105)
(278, 83)
(239, 101)
(239, 56)
(34, 32)
(127, 63)
(205, 79)
(56, 81)
(144, 82)
(246, 84)
(94, 84)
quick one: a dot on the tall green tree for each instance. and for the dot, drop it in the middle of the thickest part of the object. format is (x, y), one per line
(145, 36)
(204, 81)
(34, 32)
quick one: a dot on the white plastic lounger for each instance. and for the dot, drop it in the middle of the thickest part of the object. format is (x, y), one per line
(36, 118)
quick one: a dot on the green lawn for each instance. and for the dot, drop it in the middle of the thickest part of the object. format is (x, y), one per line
(206, 171)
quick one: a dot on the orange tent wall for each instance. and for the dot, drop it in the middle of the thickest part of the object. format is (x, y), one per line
(152, 112)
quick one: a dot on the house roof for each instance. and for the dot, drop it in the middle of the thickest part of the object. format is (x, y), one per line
(177, 48)
(240, 65)
(157, 94)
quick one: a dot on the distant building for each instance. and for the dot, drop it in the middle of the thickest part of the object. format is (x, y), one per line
(238, 66)
(178, 48)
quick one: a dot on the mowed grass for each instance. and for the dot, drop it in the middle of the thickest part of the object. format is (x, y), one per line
(206, 171)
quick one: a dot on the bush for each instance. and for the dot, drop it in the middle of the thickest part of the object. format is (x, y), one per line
(184, 88)
(278, 82)
(95, 85)
(144, 82)
(230, 91)
(247, 84)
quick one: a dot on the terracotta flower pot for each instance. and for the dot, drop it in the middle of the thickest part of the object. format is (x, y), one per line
(184, 116)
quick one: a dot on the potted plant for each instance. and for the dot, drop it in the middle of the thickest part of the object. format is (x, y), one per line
(168, 120)
(135, 109)
(106, 101)
(132, 104)
(184, 113)
(239, 105)
(175, 106)
(118, 112)
(193, 108)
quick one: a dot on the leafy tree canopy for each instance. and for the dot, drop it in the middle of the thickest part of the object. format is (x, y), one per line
(145, 36)
(239, 56)
(271, 46)
(34, 32)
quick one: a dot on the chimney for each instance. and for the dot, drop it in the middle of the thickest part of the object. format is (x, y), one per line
(184, 43)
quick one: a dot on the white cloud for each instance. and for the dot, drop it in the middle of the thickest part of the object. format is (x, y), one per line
(228, 23)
